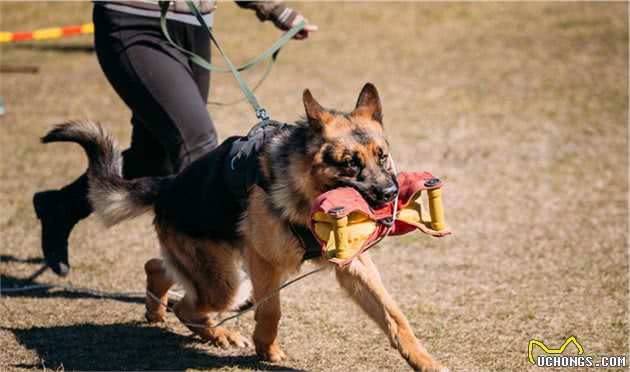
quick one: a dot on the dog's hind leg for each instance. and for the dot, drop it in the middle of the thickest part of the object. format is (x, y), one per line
(362, 281)
(196, 317)
(158, 284)
(210, 276)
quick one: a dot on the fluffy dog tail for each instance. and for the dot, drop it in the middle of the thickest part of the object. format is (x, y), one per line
(113, 198)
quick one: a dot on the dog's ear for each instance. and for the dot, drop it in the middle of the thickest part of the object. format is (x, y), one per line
(317, 116)
(369, 104)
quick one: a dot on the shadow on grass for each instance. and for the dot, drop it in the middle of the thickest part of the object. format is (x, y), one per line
(32, 260)
(125, 346)
(63, 48)
(8, 282)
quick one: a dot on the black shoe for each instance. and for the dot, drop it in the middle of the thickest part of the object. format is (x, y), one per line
(57, 222)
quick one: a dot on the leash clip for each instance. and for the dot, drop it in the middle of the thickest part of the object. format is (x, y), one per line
(387, 221)
(261, 114)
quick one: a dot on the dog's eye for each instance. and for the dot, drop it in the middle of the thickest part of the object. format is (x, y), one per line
(350, 163)
(382, 156)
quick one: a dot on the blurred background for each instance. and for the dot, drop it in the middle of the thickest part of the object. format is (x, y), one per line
(522, 108)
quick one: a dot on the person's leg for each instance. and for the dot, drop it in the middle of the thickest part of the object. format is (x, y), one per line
(145, 157)
(171, 124)
(58, 212)
(157, 82)
(199, 44)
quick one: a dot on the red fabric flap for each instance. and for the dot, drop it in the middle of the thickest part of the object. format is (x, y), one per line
(342, 201)
(411, 183)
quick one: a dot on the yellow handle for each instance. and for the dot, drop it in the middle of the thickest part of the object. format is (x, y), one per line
(340, 230)
(344, 236)
(436, 209)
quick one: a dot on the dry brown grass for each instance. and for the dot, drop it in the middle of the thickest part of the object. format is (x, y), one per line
(521, 107)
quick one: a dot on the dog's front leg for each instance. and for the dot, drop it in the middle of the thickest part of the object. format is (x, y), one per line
(265, 278)
(362, 281)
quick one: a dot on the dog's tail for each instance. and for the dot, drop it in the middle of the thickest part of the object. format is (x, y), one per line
(113, 198)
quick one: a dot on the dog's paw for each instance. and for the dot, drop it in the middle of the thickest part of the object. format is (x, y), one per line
(431, 368)
(154, 316)
(437, 368)
(424, 363)
(271, 353)
(224, 338)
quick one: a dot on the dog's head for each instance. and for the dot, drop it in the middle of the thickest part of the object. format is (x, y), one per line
(353, 150)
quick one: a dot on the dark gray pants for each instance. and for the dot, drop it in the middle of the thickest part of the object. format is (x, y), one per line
(166, 94)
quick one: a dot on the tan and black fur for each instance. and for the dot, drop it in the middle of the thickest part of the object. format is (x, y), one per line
(206, 235)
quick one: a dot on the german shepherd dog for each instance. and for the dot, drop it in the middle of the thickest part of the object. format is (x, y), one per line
(206, 234)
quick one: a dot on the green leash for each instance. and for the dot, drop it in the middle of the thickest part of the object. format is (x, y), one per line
(272, 52)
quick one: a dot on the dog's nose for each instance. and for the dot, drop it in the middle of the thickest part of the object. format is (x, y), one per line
(389, 193)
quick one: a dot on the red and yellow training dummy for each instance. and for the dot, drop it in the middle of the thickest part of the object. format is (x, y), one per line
(345, 225)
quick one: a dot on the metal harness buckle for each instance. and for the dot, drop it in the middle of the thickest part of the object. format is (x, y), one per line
(261, 114)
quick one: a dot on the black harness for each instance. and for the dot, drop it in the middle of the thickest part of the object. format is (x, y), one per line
(242, 171)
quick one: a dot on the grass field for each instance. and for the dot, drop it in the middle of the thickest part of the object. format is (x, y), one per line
(522, 108)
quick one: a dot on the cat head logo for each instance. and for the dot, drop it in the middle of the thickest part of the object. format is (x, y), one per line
(560, 350)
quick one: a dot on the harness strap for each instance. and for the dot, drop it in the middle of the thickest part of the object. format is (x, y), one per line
(272, 51)
(312, 248)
